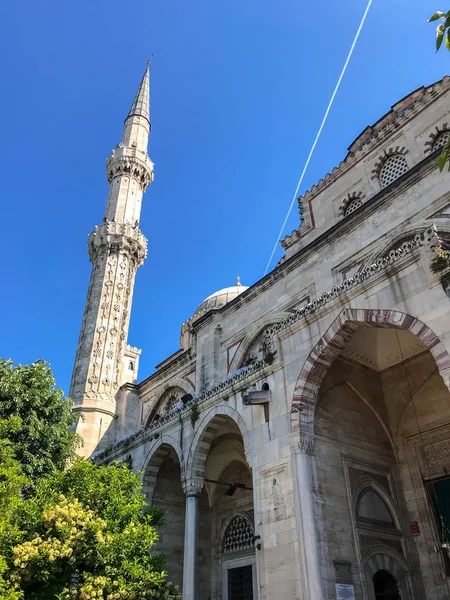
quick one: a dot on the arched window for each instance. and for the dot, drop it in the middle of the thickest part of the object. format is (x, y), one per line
(372, 509)
(441, 140)
(352, 206)
(392, 169)
(171, 402)
(238, 535)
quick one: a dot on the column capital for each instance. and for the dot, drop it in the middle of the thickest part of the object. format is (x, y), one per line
(303, 445)
(192, 486)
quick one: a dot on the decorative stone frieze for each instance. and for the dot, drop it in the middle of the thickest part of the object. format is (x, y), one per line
(437, 454)
(428, 239)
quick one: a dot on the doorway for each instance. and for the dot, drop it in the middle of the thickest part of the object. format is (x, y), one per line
(385, 586)
(240, 583)
(239, 579)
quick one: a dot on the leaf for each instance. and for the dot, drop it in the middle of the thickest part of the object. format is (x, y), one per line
(443, 159)
(447, 40)
(437, 15)
(440, 31)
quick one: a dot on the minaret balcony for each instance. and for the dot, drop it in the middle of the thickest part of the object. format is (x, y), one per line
(119, 237)
(125, 160)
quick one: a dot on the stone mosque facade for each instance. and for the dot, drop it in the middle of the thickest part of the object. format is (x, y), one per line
(299, 439)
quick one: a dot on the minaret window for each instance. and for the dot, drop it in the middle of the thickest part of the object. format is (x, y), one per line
(393, 168)
(131, 365)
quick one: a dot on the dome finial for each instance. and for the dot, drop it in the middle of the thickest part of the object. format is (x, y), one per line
(238, 281)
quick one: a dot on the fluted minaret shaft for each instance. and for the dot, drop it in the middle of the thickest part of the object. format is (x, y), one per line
(116, 249)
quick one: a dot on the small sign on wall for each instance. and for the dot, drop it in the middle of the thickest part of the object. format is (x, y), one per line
(345, 591)
(415, 530)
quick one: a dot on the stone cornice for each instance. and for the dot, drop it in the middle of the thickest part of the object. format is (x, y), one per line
(123, 236)
(131, 162)
(426, 238)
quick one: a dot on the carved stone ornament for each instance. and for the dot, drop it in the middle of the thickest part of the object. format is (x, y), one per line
(437, 454)
(304, 445)
(192, 487)
(118, 238)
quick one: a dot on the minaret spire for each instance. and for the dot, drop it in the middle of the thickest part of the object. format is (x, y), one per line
(116, 249)
(141, 102)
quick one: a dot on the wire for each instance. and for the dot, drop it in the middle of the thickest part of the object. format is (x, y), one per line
(319, 132)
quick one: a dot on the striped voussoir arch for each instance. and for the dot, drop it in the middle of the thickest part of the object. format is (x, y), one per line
(323, 354)
(164, 446)
(208, 430)
(384, 562)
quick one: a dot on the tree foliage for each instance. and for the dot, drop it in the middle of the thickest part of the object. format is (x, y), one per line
(443, 33)
(86, 534)
(44, 441)
(12, 481)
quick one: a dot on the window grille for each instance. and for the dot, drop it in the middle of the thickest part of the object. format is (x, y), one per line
(238, 536)
(352, 206)
(392, 169)
(441, 140)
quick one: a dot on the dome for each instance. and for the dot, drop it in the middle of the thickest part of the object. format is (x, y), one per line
(220, 298)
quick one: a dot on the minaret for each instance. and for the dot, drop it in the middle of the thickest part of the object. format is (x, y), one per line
(117, 248)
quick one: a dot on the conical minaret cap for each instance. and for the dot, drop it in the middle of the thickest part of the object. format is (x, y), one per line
(141, 102)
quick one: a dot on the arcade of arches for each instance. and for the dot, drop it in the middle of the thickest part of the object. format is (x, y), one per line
(373, 496)
(221, 558)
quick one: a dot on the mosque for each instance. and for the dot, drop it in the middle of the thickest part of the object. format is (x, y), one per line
(299, 439)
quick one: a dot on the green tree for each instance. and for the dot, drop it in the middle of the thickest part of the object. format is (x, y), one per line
(12, 482)
(443, 33)
(88, 535)
(44, 441)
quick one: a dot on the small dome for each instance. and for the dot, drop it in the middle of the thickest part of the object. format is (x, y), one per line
(220, 298)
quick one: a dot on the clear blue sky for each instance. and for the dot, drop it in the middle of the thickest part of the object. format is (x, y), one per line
(238, 92)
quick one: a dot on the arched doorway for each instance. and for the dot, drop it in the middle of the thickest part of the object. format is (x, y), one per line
(385, 586)
(372, 398)
(162, 485)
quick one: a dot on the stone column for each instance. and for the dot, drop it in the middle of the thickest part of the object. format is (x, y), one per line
(306, 521)
(192, 491)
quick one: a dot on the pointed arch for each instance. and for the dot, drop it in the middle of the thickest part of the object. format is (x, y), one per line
(323, 354)
(154, 459)
(206, 433)
(367, 483)
(237, 534)
(178, 387)
(251, 337)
